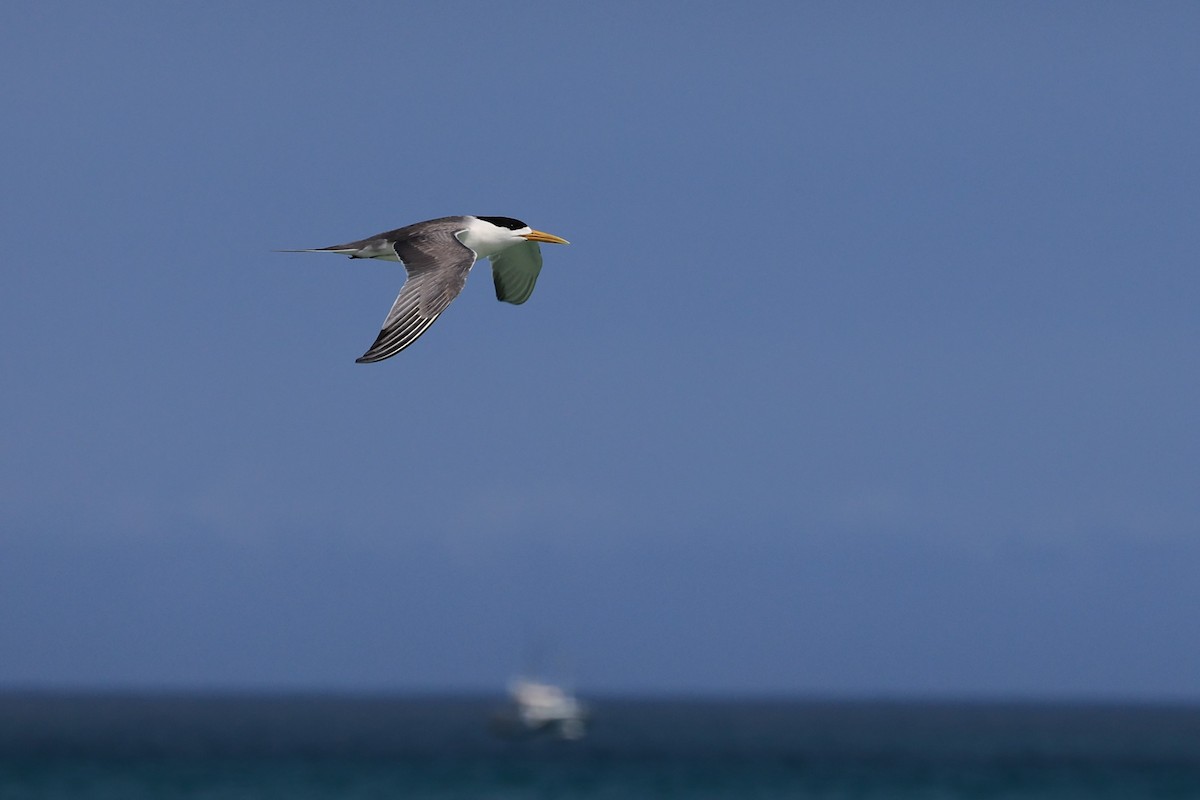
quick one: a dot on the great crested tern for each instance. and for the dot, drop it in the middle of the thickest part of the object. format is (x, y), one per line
(438, 254)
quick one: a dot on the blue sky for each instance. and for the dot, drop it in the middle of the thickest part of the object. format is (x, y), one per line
(872, 367)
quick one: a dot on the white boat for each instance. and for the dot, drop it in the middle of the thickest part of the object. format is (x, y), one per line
(538, 707)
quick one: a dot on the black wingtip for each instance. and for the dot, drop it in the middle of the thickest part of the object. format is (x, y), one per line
(370, 357)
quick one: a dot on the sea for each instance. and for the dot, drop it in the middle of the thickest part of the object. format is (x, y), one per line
(244, 746)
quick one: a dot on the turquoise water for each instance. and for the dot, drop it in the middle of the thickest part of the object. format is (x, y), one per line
(242, 747)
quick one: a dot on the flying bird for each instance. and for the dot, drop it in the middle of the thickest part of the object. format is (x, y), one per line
(437, 255)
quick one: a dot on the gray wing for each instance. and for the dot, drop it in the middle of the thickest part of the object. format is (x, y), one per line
(437, 264)
(515, 271)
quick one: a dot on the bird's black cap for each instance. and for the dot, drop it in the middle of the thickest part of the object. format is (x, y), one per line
(506, 222)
